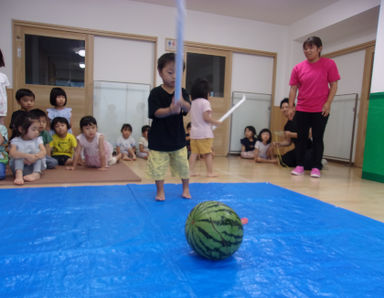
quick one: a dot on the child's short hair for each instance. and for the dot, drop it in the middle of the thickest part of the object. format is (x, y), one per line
(165, 59)
(39, 113)
(284, 100)
(265, 130)
(55, 92)
(145, 128)
(200, 89)
(24, 92)
(2, 63)
(59, 120)
(23, 121)
(87, 120)
(251, 128)
(126, 126)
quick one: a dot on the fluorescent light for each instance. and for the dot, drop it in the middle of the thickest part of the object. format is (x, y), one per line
(82, 65)
(81, 53)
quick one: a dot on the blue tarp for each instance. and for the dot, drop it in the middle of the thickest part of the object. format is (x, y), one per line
(116, 241)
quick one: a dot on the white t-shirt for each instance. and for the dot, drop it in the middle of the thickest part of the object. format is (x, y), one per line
(125, 144)
(3, 94)
(200, 129)
(27, 146)
(262, 149)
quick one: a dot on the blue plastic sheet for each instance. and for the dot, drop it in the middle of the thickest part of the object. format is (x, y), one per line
(116, 241)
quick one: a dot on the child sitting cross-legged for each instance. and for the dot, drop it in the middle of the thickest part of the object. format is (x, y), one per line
(63, 143)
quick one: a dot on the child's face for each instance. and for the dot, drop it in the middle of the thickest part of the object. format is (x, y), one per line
(126, 133)
(60, 100)
(61, 129)
(265, 137)
(26, 103)
(89, 131)
(168, 75)
(33, 131)
(145, 134)
(43, 123)
(248, 133)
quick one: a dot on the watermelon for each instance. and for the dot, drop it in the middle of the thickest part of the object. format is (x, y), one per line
(213, 230)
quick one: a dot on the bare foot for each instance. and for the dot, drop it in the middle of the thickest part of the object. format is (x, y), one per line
(19, 180)
(160, 198)
(32, 177)
(126, 158)
(186, 194)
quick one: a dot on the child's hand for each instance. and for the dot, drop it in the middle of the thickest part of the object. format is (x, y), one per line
(31, 158)
(175, 107)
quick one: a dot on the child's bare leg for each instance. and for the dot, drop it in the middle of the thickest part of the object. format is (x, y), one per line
(118, 157)
(125, 157)
(192, 163)
(160, 195)
(19, 180)
(32, 177)
(186, 194)
(209, 165)
(69, 162)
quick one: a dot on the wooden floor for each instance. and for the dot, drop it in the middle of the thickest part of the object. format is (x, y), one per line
(339, 184)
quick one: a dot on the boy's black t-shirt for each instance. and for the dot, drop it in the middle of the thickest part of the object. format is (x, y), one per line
(166, 134)
(249, 146)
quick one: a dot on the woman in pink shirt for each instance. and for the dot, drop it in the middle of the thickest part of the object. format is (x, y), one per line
(201, 131)
(316, 80)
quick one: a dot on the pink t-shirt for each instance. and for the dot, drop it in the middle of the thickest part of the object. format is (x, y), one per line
(200, 128)
(312, 80)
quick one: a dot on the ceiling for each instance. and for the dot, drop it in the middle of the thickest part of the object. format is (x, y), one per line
(280, 12)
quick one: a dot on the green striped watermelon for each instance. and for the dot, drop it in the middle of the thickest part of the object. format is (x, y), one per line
(213, 230)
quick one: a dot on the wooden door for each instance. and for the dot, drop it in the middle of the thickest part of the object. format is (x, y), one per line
(220, 99)
(79, 95)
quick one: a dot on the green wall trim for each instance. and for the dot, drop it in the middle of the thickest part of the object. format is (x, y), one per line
(376, 95)
(373, 177)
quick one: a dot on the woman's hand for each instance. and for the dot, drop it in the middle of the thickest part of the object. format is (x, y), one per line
(326, 109)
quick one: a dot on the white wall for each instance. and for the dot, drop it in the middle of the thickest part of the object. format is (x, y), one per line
(377, 84)
(153, 20)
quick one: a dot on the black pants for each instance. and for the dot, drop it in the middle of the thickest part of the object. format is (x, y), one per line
(317, 122)
(290, 159)
(61, 159)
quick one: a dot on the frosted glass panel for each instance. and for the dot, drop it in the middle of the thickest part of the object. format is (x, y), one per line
(116, 103)
(254, 111)
(339, 133)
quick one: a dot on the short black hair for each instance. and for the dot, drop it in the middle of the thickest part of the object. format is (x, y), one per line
(251, 128)
(24, 92)
(55, 92)
(200, 89)
(312, 41)
(126, 126)
(284, 100)
(87, 120)
(39, 113)
(262, 131)
(2, 63)
(145, 128)
(59, 120)
(165, 59)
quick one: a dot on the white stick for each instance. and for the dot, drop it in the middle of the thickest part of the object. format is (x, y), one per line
(231, 110)
(179, 47)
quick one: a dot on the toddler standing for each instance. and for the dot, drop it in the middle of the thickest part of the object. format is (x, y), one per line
(201, 131)
(97, 151)
(166, 138)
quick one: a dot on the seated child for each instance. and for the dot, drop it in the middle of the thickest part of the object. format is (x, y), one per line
(27, 149)
(97, 151)
(126, 144)
(248, 143)
(3, 153)
(263, 148)
(50, 162)
(143, 142)
(63, 143)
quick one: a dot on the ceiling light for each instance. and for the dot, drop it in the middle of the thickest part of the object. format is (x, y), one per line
(82, 65)
(81, 53)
